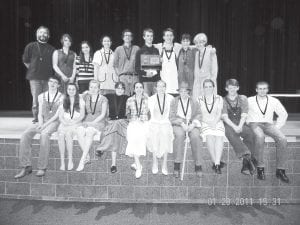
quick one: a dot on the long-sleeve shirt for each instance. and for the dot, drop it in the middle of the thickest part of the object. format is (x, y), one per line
(124, 62)
(145, 50)
(274, 106)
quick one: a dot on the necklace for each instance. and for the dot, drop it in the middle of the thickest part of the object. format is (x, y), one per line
(163, 108)
(51, 105)
(206, 105)
(265, 110)
(127, 53)
(93, 110)
(185, 111)
(72, 114)
(107, 59)
(233, 109)
(40, 52)
(138, 109)
(201, 61)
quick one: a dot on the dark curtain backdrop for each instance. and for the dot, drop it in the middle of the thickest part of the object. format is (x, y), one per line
(255, 39)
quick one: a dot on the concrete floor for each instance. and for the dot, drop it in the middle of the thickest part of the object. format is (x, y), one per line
(31, 212)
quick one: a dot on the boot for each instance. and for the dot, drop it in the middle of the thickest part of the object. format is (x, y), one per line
(261, 173)
(280, 174)
(177, 170)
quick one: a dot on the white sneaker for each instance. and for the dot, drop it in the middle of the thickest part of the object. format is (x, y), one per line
(138, 172)
(155, 169)
(164, 171)
(133, 166)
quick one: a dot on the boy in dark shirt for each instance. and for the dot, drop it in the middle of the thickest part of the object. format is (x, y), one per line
(148, 76)
(234, 114)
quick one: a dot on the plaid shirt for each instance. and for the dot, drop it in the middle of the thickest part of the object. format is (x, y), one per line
(132, 111)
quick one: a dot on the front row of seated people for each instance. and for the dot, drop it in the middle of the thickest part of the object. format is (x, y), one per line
(160, 124)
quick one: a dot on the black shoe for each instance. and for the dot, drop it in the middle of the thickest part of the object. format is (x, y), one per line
(113, 169)
(25, 171)
(222, 165)
(35, 120)
(218, 169)
(198, 170)
(177, 170)
(261, 173)
(245, 167)
(99, 153)
(280, 174)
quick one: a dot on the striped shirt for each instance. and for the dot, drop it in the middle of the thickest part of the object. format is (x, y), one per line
(84, 70)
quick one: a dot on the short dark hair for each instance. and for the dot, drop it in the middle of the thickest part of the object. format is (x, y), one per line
(262, 83)
(65, 36)
(148, 30)
(120, 83)
(209, 81)
(45, 28)
(232, 82)
(126, 31)
(54, 78)
(186, 36)
(168, 30)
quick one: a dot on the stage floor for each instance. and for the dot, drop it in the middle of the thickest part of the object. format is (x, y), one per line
(12, 127)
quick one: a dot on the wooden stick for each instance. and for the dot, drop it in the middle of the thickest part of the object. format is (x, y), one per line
(184, 155)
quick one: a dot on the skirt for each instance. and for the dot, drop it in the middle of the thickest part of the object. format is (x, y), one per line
(72, 129)
(113, 138)
(207, 130)
(160, 138)
(137, 132)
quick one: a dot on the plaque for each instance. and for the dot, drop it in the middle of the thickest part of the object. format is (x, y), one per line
(152, 62)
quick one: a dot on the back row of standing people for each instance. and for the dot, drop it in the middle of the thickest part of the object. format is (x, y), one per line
(179, 63)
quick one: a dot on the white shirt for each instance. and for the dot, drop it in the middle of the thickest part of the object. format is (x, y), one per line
(274, 105)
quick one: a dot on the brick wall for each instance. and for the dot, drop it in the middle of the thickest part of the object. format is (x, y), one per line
(96, 183)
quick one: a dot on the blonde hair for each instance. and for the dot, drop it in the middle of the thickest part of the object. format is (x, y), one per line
(199, 36)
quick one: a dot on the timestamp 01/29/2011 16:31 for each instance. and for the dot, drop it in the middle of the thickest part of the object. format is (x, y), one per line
(244, 201)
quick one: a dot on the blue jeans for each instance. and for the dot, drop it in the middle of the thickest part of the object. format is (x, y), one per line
(37, 87)
(240, 147)
(260, 129)
(25, 145)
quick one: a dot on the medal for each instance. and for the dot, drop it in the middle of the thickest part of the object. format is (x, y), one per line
(138, 109)
(206, 105)
(185, 111)
(93, 111)
(201, 61)
(129, 54)
(265, 110)
(163, 108)
(51, 105)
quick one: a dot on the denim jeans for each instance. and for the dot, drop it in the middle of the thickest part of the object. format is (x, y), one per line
(37, 87)
(25, 145)
(129, 81)
(240, 147)
(179, 142)
(260, 129)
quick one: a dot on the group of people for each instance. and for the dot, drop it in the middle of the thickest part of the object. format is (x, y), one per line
(136, 109)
